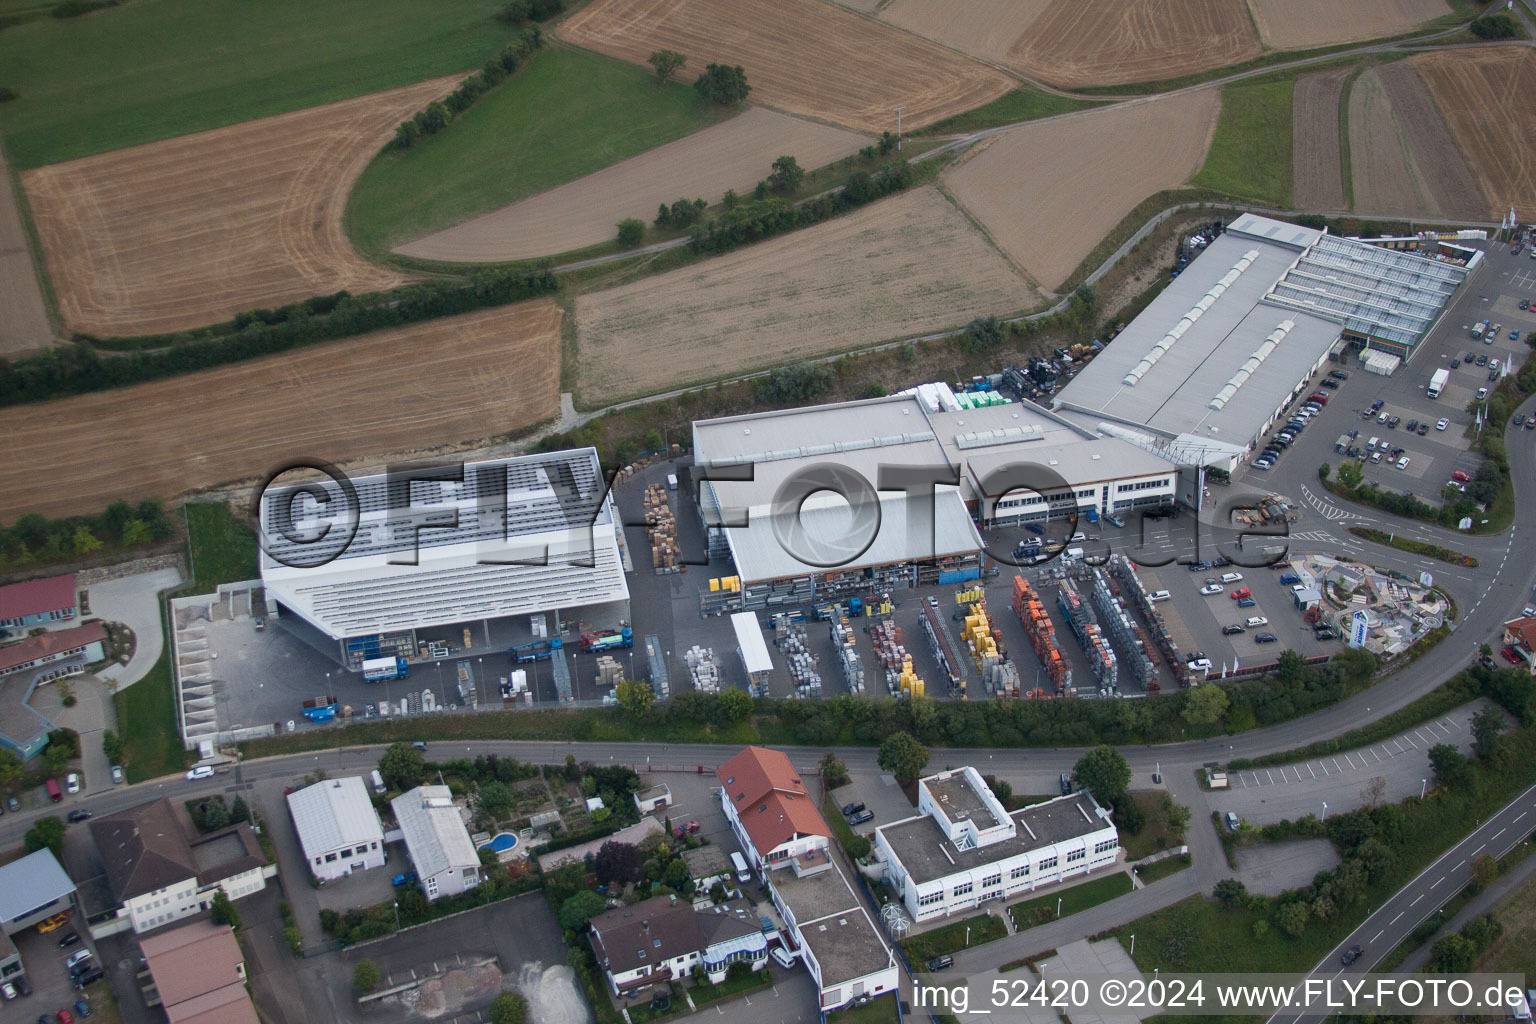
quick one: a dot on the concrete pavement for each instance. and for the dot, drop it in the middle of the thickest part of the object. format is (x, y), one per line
(135, 602)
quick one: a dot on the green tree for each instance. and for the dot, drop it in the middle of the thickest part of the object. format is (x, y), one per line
(112, 746)
(631, 231)
(1453, 954)
(1485, 871)
(858, 847)
(402, 766)
(635, 695)
(1450, 765)
(1231, 892)
(1103, 772)
(365, 976)
(223, 911)
(1204, 705)
(786, 175)
(1350, 474)
(1495, 26)
(508, 1008)
(1323, 471)
(46, 834)
(495, 799)
(902, 755)
(676, 875)
(735, 705)
(576, 911)
(666, 63)
(1487, 725)
(56, 757)
(721, 83)
(239, 811)
(1292, 918)
(834, 772)
(136, 533)
(12, 771)
(1178, 819)
(84, 541)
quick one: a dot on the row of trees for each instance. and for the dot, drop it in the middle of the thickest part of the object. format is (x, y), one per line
(768, 216)
(37, 540)
(440, 113)
(784, 178)
(79, 368)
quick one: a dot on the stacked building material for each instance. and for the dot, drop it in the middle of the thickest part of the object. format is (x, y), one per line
(1101, 659)
(980, 640)
(514, 688)
(900, 679)
(951, 664)
(562, 673)
(660, 528)
(1134, 592)
(802, 663)
(703, 669)
(1041, 631)
(1123, 635)
(609, 674)
(1003, 680)
(656, 659)
(848, 659)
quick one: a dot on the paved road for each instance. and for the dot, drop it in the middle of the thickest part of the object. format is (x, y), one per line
(1396, 919)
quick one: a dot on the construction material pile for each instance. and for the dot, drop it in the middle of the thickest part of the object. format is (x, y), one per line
(1041, 631)
(702, 668)
(900, 679)
(660, 528)
(848, 659)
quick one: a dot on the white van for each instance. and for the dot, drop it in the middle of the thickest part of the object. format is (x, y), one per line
(378, 782)
(1231, 577)
(782, 957)
(740, 864)
(1159, 595)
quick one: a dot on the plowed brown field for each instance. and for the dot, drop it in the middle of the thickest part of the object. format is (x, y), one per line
(1297, 24)
(1404, 159)
(901, 266)
(1047, 193)
(191, 230)
(734, 154)
(1486, 99)
(462, 378)
(804, 56)
(982, 28)
(1107, 42)
(1317, 172)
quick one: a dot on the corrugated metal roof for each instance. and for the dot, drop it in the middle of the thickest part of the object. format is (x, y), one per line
(332, 814)
(434, 832)
(35, 597)
(749, 638)
(31, 882)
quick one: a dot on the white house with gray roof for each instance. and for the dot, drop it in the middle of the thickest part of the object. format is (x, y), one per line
(338, 827)
(445, 859)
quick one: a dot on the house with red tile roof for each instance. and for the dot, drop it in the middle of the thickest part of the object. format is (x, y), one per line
(38, 602)
(771, 810)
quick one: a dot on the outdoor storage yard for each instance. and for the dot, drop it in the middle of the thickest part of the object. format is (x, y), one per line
(1047, 193)
(192, 230)
(1107, 42)
(452, 380)
(1486, 99)
(902, 266)
(1297, 24)
(804, 56)
(1317, 171)
(732, 155)
(1404, 160)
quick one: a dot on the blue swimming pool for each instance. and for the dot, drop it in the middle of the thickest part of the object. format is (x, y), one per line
(501, 842)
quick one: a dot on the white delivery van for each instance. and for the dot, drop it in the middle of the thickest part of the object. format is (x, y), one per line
(378, 782)
(740, 864)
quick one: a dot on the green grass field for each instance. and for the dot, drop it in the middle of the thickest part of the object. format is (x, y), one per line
(951, 938)
(199, 65)
(1250, 156)
(1023, 104)
(223, 547)
(565, 114)
(1079, 897)
(146, 720)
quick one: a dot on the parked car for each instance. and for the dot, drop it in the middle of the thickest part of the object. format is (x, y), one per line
(1331, 385)
(1211, 588)
(1257, 620)
(1460, 476)
(1455, 363)
(82, 1008)
(1246, 602)
(1412, 425)
(1265, 638)
(78, 814)
(1325, 633)
(1402, 463)
(72, 783)
(1231, 577)
(862, 817)
(117, 775)
(1376, 405)
(1511, 655)
(1066, 784)
(12, 804)
(1514, 335)
(1519, 418)
(77, 957)
(405, 878)
(853, 808)
(1423, 428)
(69, 940)
(1233, 629)
(1350, 955)
(1339, 374)
(89, 974)
(1114, 520)
(1264, 464)
(202, 771)
(1442, 423)
(1241, 592)
(940, 963)
(65, 1017)
(1232, 822)
(1482, 360)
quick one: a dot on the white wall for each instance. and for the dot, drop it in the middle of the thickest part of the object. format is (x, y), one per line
(333, 864)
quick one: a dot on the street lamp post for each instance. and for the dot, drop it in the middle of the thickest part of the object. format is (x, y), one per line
(1133, 943)
(1325, 810)
(1423, 788)
(1058, 906)
(397, 915)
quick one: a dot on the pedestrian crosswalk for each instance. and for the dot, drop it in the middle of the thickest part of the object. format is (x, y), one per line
(1327, 509)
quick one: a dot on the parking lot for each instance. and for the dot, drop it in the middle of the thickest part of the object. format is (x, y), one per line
(52, 989)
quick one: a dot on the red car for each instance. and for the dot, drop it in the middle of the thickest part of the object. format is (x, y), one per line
(65, 1017)
(1511, 656)
(1460, 476)
(687, 829)
(1240, 593)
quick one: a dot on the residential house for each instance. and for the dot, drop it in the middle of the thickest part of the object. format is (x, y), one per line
(445, 859)
(662, 939)
(38, 602)
(78, 645)
(338, 827)
(199, 974)
(772, 812)
(1520, 634)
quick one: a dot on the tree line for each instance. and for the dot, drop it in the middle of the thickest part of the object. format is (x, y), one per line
(762, 218)
(440, 113)
(37, 540)
(80, 368)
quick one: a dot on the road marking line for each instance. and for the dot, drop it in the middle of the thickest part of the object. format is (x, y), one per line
(1377, 935)
(1349, 762)
(1336, 764)
(1478, 850)
(1437, 881)
(1271, 776)
(1496, 834)
(1520, 815)
(1459, 864)
(1416, 899)
(1314, 774)
(1394, 920)
(1412, 744)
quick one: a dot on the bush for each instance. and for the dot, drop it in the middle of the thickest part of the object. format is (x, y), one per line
(6, 95)
(766, 215)
(1495, 26)
(75, 8)
(793, 385)
(721, 83)
(365, 976)
(631, 231)
(440, 113)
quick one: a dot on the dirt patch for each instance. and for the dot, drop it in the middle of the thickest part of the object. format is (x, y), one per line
(735, 154)
(1047, 193)
(192, 230)
(1317, 174)
(902, 266)
(24, 326)
(1485, 99)
(1298, 24)
(457, 379)
(982, 28)
(1109, 42)
(804, 56)
(1405, 161)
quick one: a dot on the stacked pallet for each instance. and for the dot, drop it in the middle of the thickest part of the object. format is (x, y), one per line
(608, 672)
(900, 679)
(1101, 659)
(802, 663)
(660, 528)
(1003, 680)
(979, 638)
(1041, 631)
(940, 642)
(702, 668)
(847, 655)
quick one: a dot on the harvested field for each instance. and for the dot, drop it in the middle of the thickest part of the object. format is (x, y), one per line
(982, 28)
(1299, 24)
(902, 266)
(734, 154)
(24, 326)
(412, 388)
(192, 230)
(1047, 193)
(1317, 170)
(1485, 99)
(804, 56)
(1404, 160)
(1111, 42)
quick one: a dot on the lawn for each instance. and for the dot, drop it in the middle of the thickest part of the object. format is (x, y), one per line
(146, 720)
(1028, 913)
(1023, 104)
(1155, 835)
(199, 65)
(880, 1010)
(1250, 156)
(731, 987)
(951, 938)
(223, 548)
(1162, 869)
(566, 113)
